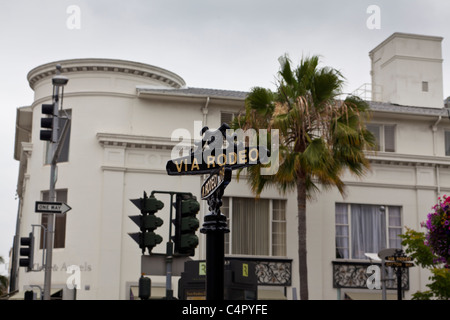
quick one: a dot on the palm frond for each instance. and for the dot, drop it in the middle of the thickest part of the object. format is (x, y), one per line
(320, 135)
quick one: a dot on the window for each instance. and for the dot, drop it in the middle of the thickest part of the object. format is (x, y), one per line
(384, 136)
(424, 86)
(64, 155)
(364, 229)
(226, 117)
(59, 222)
(447, 143)
(279, 228)
(395, 227)
(258, 227)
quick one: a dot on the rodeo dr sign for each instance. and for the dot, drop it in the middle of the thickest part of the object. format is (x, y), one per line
(214, 182)
(218, 150)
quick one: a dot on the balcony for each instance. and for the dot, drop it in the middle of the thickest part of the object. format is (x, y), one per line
(270, 271)
(353, 275)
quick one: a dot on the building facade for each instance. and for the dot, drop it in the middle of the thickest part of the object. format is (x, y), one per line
(126, 119)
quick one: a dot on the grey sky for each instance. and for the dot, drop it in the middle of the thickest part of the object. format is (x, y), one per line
(212, 44)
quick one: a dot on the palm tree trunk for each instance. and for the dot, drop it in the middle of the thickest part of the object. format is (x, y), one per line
(302, 253)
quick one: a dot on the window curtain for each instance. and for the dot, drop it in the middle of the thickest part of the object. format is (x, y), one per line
(447, 143)
(250, 226)
(375, 129)
(368, 230)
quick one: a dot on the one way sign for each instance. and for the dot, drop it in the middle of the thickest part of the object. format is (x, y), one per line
(51, 207)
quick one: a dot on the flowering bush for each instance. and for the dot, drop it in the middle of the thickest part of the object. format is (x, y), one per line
(438, 226)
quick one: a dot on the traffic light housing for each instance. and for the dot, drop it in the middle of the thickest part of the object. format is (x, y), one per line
(48, 123)
(186, 224)
(145, 288)
(26, 252)
(147, 222)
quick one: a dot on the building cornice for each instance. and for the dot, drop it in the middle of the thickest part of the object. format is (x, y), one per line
(228, 97)
(136, 141)
(407, 36)
(393, 158)
(165, 77)
(148, 142)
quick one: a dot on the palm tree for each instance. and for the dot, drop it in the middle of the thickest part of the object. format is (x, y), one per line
(3, 281)
(320, 137)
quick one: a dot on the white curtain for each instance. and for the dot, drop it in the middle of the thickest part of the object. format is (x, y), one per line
(368, 230)
(250, 225)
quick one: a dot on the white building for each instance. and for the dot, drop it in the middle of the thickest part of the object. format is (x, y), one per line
(407, 70)
(123, 116)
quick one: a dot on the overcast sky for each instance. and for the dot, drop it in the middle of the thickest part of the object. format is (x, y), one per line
(209, 43)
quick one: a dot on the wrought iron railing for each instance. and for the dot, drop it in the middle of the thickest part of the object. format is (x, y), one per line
(349, 274)
(271, 271)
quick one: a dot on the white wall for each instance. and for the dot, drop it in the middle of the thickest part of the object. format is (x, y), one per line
(401, 63)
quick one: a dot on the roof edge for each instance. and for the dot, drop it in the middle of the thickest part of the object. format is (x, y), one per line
(405, 35)
(46, 70)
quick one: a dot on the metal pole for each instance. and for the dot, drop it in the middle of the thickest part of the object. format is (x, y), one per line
(383, 279)
(399, 283)
(215, 227)
(215, 258)
(15, 255)
(169, 244)
(169, 256)
(52, 198)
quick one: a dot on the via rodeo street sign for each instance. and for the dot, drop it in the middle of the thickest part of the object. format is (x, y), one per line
(210, 156)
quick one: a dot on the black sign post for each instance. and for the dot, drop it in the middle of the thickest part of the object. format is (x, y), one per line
(215, 227)
(211, 156)
(399, 261)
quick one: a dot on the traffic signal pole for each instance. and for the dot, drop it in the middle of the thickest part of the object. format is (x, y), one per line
(58, 82)
(52, 198)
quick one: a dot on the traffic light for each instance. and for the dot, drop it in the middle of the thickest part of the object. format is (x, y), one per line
(26, 251)
(145, 288)
(186, 224)
(48, 123)
(147, 222)
(28, 295)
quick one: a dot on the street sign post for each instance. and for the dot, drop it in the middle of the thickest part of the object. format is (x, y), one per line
(399, 261)
(211, 157)
(399, 264)
(51, 207)
(398, 258)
